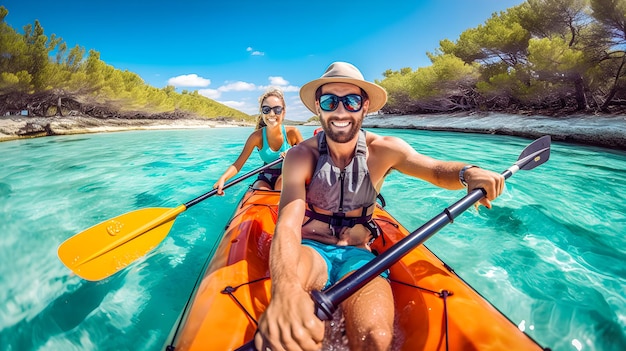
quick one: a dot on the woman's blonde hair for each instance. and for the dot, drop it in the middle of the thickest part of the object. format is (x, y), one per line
(272, 91)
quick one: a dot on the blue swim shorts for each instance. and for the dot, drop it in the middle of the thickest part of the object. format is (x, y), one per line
(341, 260)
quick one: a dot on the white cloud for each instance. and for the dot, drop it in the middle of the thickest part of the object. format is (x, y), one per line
(291, 89)
(243, 96)
(234, 104)
(285, 89)
(296, 111)
(189, 80)
(237, 86)
(243, 105)
(295, 100)
(281, 83)
(210, 93)
(254, 52)
(278, 81)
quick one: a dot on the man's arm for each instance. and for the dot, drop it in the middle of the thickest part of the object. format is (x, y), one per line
(285, 249)
(402, 157)
(289, 322)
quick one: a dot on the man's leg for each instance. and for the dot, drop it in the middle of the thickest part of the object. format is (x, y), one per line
(369, 315)
(312, 269)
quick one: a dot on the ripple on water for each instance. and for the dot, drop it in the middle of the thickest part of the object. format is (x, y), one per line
(5, 190)
(550, 255)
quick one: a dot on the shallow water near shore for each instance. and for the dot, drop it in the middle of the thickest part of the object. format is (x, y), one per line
(550, 254)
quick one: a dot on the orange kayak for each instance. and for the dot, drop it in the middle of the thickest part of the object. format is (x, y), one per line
(435, 309)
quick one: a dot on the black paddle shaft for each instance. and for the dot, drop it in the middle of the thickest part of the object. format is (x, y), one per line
(233, 182)
(327, 302)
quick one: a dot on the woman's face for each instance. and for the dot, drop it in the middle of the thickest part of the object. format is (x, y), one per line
(272, 119)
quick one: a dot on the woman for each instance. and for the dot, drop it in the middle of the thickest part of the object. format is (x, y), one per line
(271, 138)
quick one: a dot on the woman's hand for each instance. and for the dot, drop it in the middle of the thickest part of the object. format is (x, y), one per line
(219, 185)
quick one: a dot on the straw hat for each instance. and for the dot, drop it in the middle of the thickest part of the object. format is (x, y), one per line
(343, 72)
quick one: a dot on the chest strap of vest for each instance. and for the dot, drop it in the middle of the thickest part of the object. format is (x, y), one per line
(337, 221)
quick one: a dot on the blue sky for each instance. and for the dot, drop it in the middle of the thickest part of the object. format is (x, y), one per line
(232, 50)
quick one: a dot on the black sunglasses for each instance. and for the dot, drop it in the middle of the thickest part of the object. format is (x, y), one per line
(277, 110)
(351, 102)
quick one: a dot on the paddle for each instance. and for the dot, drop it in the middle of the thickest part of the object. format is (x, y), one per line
(326, 302)
(102, 250)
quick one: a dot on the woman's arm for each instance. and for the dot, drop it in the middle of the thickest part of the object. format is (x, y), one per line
(254, 140)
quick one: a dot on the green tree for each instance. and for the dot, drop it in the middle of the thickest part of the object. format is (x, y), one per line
(557, 64)
(39, 48)
(610, 37)
(547, 18)
(559, 25)
(74, 59)
(13, 60)
(397, 84)
(502, 47)
(500, 39)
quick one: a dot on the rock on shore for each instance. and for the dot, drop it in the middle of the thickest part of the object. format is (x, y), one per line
(604, 131)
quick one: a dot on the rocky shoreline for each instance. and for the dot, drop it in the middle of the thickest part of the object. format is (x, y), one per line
(604, 131)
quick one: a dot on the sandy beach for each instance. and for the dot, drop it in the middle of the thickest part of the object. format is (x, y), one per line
(19, 127)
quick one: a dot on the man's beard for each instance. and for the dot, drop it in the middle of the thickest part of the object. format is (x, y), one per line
(342, 136)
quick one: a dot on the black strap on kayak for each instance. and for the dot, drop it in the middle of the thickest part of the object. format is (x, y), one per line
(229, 290)
(443, 294)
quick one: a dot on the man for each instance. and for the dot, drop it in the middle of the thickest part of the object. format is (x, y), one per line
(324, 227)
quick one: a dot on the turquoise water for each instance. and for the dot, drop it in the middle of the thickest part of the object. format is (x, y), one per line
(550, 255)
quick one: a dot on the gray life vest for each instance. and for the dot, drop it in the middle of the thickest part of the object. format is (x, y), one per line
(340, 191)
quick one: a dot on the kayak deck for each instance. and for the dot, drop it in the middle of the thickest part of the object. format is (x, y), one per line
(435, 309)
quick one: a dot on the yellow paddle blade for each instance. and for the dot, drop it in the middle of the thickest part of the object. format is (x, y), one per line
(107, 247)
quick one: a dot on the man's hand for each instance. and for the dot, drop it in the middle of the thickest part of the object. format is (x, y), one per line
(492, 182)
(289, 323)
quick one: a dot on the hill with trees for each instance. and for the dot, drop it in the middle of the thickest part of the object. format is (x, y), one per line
(41, 75)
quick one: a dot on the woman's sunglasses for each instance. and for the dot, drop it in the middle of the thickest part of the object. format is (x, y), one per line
(351, 102)
(277, 110)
